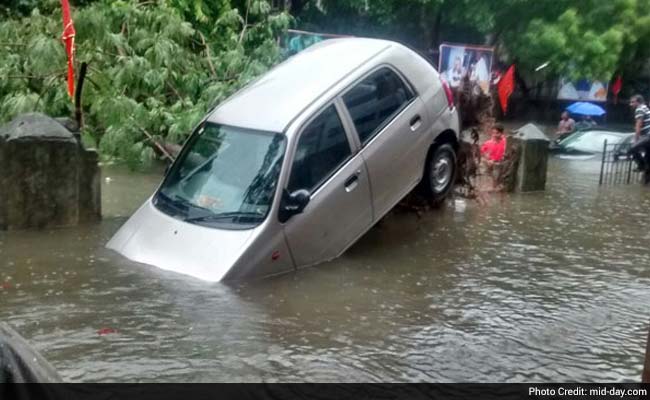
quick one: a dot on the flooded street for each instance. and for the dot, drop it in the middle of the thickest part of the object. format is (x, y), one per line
(551, 286)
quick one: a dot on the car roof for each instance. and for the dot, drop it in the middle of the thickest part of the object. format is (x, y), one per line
(607, 132)
(273, 100)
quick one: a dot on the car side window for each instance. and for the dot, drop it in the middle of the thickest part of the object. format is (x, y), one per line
(374, 101)
(322, 148)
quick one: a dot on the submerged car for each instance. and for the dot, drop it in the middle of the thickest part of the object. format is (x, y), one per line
(294, 168)
(589, 143)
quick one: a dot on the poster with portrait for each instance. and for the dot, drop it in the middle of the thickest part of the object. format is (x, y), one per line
(466, 64)
(582, 90)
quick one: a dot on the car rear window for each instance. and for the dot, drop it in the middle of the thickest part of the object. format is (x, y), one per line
(375, 101)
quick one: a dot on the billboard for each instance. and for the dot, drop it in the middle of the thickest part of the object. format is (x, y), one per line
(461, 64)
(296, 41)
(582, 90)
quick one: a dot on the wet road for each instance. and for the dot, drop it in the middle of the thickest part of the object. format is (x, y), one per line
(552, 286)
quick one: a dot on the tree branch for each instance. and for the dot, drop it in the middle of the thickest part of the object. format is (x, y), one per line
(243, 31)
(13, 44)
(94, 83)
(45, 89)
(174, 90)
(207, 54)
(120, 50)
(146, 3)
(155, 142)
(54, 74)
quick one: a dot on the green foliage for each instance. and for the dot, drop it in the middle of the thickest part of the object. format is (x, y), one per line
(586, 42)
(153, 70)
(157, 66)
(587, 38)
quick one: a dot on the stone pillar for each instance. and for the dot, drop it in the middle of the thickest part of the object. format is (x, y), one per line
(48, 178)
(3, 183)
(532, 162)
(90, 188)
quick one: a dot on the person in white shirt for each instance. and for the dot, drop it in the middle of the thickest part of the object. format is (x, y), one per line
(455, 74)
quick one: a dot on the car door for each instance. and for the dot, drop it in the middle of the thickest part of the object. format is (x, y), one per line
(339, 211)
(391, 124)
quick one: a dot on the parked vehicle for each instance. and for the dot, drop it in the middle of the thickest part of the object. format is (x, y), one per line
(589, 143)
(293, 169)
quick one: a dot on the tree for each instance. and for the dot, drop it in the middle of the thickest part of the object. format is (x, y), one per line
(590, 38)
(591, 41)
(152, 72)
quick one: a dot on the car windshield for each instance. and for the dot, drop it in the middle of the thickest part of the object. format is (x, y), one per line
(225, 177)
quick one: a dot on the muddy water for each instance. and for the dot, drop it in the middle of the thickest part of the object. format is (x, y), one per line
(536, 287)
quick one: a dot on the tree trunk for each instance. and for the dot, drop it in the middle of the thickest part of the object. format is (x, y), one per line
(495, 37)
(435, 30)
(78, 110)
(296, 6)
(425, 31)
(521, 82)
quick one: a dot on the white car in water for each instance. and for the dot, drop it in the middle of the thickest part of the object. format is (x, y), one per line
(294, 168)
(587, 144)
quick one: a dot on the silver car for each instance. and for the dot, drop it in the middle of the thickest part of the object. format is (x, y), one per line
(294, 168)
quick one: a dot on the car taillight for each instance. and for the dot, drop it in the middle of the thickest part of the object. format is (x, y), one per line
(448, 93)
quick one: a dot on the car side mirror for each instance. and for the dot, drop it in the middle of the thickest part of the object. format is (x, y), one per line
(293, 203)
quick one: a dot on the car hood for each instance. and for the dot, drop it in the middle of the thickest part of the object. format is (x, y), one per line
(154, 238)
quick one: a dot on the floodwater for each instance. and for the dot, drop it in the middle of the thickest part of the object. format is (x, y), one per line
(550, 286)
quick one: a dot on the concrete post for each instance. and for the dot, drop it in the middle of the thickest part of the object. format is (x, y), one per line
(533, 158)
(48, 179)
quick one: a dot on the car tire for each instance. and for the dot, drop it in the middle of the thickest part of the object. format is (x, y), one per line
(439, 173)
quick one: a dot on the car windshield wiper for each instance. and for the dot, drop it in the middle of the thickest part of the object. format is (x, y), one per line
(181, 205)
(228, 215)
(176, 202)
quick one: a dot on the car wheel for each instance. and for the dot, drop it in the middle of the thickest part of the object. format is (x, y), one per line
(440, 173)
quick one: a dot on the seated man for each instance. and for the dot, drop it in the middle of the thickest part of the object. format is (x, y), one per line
(566, 126)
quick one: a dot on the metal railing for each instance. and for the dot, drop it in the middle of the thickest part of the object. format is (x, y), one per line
(617, 166)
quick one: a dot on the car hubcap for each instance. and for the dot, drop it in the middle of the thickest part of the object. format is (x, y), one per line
(441, 173)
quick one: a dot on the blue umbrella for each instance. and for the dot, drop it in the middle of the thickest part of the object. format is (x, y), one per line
(583, 108)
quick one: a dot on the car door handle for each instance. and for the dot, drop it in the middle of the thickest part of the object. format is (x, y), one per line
(416, 122)
(352, 182)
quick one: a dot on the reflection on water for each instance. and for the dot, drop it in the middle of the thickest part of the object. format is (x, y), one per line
(534, 287)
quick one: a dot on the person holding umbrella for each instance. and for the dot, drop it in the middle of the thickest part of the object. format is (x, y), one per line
(641, 148)
(586, 110)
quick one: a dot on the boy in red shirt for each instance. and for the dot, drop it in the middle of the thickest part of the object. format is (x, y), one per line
(492, 153)
(494, 149)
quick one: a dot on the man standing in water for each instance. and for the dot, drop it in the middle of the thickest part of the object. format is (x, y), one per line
(641, 148)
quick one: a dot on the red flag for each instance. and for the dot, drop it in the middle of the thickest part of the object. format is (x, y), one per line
(616, 88)
(505, 87)
(68, 39)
